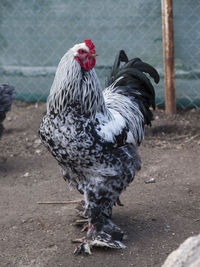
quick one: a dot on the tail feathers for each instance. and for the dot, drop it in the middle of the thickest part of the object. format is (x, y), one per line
(121, 57)
(133, 76)
(144, 67)
(7, 94)
(132, 82)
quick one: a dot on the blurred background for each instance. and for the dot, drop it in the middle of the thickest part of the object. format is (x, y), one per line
(35, 34)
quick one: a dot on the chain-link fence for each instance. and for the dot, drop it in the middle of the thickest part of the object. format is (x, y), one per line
(187, 52)
(35, 34)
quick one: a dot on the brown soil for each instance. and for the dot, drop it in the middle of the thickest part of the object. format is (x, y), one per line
(157, 216)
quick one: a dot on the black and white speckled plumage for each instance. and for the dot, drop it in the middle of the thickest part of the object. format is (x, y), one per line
(90, 162)
(93, 134)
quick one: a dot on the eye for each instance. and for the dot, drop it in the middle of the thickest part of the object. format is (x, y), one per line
(81, 51)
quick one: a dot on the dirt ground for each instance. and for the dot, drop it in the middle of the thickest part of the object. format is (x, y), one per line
(157, 216)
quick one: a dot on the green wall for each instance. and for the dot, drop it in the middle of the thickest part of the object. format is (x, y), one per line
(35, 34)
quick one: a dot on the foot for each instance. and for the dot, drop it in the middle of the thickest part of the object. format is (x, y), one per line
(83, 248)
(106, 240)
(109, 236)
(101, 240)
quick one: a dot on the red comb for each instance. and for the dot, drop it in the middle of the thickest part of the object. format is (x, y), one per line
(90, 45)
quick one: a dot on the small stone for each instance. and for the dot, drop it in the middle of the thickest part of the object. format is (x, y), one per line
(9, 118)
(37, 141)
(150, 181)
(37, 151)
(26, 174)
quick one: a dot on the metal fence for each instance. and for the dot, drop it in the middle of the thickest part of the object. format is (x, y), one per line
(187, 52)
(35, 34)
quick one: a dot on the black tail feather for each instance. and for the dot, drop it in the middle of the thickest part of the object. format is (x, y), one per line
(137, 76)
(144, 67)
(121, 57)
(134, 83)
(7, 94)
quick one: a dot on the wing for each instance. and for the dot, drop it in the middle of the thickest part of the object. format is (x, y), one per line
(125, 115)
(114, 128)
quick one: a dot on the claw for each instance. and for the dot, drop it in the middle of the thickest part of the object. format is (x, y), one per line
(81, 214)
(84, 228)
(80, 222)
(83, 248)
(78, 240)
(81, 206)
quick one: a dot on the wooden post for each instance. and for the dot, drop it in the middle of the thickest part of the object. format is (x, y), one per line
(168, 56)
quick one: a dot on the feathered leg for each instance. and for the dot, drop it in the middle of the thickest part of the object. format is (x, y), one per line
(101, 193)
(99, 199)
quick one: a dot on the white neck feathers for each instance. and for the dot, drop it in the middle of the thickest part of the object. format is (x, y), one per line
(72, 85)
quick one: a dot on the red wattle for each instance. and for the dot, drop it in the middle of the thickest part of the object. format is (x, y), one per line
(90, 63)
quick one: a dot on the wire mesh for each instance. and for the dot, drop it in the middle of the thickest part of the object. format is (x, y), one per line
(187, 52)
(35, 34)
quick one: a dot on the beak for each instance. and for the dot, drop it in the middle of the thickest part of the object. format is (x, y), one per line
(94, 55)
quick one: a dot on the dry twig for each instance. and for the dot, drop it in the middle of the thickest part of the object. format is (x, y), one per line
(62, 203)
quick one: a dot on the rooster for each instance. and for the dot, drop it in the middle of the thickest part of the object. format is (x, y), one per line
(94, 133)
(7, 94)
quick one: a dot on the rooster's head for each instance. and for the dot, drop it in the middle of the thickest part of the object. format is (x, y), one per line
(85, 54)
